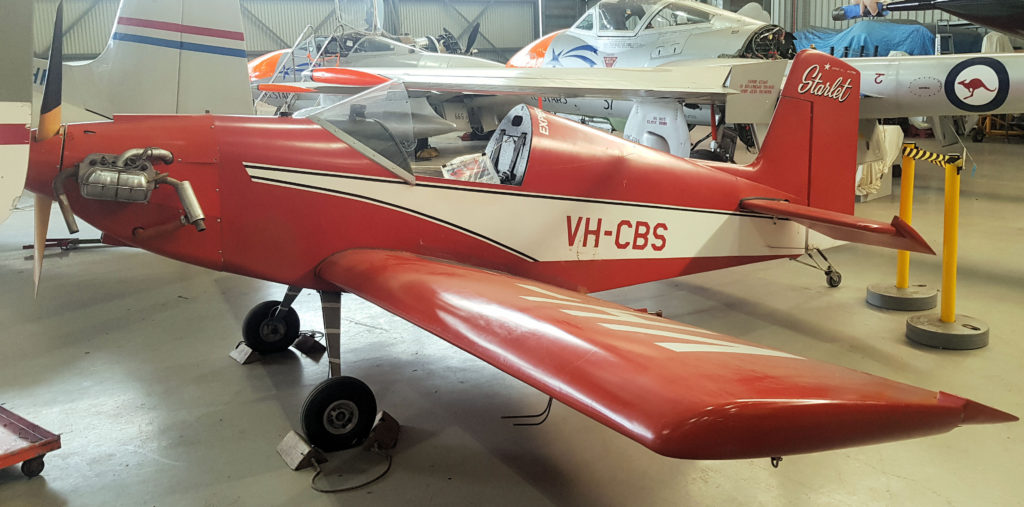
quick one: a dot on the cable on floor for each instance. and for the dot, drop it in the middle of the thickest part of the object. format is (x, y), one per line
(376, 450)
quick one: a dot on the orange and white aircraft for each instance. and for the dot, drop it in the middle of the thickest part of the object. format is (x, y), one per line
(499, 260)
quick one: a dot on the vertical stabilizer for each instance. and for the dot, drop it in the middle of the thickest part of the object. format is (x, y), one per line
(810, 151)
(167, 56)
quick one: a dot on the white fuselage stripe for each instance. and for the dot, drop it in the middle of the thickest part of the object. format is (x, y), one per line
(560, 228)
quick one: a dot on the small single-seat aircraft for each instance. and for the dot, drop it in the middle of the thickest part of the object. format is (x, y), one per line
(498, 259)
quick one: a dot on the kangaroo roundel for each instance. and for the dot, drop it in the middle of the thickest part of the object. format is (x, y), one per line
(978, 85)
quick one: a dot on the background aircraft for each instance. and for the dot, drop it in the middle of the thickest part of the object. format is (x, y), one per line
(894, 87)
(632, 33)
(194, 61)
(441, 253)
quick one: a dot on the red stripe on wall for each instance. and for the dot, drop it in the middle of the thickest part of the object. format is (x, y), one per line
(13, 133)
(175, 27)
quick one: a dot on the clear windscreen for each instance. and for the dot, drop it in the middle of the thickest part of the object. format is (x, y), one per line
(377, 122)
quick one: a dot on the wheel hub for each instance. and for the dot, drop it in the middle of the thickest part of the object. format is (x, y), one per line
(341, 417)
(273, 329)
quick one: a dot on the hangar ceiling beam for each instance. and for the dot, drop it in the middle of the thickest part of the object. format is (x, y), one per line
(449, 5)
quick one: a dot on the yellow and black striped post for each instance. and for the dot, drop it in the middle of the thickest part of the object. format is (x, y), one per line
(903, 296)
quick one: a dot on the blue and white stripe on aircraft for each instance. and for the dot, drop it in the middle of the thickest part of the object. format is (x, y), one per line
(180, 45)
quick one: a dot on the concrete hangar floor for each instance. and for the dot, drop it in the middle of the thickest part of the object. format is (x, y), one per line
(126, 355)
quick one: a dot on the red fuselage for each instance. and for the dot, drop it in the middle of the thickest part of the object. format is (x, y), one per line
(581, 190)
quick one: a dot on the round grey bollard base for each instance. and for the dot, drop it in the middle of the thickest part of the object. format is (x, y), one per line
(915, 298)
(965, 334)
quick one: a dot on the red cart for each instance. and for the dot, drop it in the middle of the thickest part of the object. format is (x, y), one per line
(24, 442)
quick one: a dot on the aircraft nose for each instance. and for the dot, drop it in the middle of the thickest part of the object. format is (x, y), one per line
(44, 164)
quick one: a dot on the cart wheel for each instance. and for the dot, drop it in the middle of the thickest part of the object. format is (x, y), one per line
(33, 467)
(338, 414)
(266, 329)
(833, 278)
(977, 135)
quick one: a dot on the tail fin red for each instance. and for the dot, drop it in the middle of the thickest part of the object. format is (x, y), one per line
(810, 151)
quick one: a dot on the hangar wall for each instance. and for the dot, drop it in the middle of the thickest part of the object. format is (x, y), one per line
(505, 25)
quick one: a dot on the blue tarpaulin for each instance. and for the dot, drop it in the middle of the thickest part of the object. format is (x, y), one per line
(913, 39)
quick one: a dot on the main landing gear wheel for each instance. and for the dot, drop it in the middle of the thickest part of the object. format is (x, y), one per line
(833, 278)
(267, 329)
(338, 414)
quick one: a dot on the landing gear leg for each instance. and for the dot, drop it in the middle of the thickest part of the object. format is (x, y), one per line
(833, 278)
(339, 412)
(272, 326)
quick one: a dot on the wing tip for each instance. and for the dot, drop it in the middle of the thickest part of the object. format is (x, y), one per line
(904, 229)
(978, 413)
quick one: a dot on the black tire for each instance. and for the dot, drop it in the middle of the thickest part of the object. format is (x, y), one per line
(33, 467)
(977, 135)
(338, 414)
(833, 278)
(268, 330)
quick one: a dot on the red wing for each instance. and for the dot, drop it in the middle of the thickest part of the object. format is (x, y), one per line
(681, 391)
(898, 234)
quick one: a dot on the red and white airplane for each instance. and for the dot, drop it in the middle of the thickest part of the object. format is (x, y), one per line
(502, 268)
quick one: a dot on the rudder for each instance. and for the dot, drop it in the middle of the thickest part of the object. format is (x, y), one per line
(810, 150)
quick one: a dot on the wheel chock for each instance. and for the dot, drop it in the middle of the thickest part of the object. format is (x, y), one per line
(309, 346)
(297, 453)
(384, 434)
(244, 355)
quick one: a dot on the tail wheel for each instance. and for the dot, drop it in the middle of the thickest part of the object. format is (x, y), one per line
(338, 414)
(833, 278)
(267, 329)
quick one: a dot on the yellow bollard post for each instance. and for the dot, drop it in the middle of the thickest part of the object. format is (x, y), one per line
(950, 241)
(906, 212)
(903, 296)
(949, 330)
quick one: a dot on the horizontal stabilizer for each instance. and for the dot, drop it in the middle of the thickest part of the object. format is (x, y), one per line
(898, 234)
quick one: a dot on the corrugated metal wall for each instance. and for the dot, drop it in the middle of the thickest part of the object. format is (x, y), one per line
(87, 26)
(505, 25)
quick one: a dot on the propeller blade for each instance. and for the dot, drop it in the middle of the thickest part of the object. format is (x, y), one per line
(49, 111)
(49, 126)
(42, 222)
(471, 39)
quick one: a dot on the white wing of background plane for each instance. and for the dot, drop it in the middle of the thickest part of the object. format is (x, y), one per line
(753, 85)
